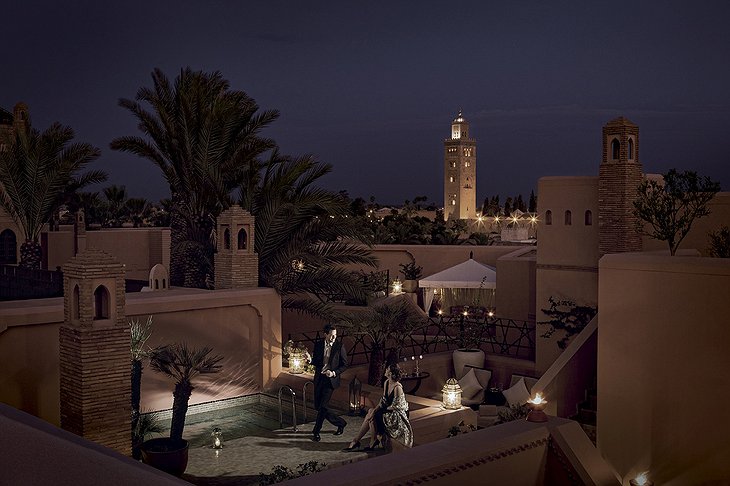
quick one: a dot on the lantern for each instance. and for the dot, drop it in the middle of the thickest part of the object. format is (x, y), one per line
(355, 393)
(296, 363)
(217, 440)
(397, 286)
(452, 394)
(537, 406)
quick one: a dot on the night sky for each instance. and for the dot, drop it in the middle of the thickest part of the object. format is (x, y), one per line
(372, 88)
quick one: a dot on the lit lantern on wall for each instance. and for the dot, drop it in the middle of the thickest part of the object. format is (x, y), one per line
(641, 480)
(537, 406)
(452, 394)
(397, 286)
(355, 392)
(296, 363)
(217, 440)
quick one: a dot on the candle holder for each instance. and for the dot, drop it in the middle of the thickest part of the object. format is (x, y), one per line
(217, 440)
(537, 406)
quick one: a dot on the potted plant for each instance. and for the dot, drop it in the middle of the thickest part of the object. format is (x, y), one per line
(411, 273)
(183, 364)
(139, 334)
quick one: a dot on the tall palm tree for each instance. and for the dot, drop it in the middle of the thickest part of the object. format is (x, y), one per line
(35, 175)
(183, 364)
(137, 209)
(116, 199)
(305, 236)
(204, 137)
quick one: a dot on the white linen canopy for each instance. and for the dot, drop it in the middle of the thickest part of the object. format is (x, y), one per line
(466, 275)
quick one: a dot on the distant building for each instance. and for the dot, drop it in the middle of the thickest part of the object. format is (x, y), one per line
(460, 172)
(9, 123)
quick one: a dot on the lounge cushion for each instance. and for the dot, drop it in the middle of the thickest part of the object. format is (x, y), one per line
(483, 375)
(517, 394)
(470, 385)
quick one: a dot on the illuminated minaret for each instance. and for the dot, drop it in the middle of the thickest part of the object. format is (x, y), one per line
(460, 172)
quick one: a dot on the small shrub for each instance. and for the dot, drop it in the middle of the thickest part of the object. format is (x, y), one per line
(282, 473)
(514, 412)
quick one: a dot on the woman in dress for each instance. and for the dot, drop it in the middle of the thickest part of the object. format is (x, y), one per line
(388, 422)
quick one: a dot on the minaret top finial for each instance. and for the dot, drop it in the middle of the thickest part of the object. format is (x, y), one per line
(459, 118)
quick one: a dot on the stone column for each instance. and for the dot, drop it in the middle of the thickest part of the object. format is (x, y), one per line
(94, 351)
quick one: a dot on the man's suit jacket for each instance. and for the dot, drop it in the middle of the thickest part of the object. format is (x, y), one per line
(337, 361)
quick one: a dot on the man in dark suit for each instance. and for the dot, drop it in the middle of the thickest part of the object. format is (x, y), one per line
(330, 361)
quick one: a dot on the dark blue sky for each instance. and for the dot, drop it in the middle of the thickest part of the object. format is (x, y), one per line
(372, 88)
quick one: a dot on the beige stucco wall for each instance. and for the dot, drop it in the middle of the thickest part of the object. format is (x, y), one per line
(662, 366)
(567, 256)
(138, 248)
(434, 258)
(242, 325)
(516, 284)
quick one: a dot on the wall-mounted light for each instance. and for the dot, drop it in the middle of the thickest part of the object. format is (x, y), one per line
(641, 480)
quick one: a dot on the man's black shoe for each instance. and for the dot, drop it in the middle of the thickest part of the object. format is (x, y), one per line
(316, 438)
(340, 430)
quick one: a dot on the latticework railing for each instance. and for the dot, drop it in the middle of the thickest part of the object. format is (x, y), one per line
(505, 337)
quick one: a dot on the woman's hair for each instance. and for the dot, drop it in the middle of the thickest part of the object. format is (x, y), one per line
(395, 372)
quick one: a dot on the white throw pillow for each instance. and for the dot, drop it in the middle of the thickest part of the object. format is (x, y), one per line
(469, 385)
(517, 394)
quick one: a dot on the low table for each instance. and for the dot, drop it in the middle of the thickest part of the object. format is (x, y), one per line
(494, 396)
(413, 381)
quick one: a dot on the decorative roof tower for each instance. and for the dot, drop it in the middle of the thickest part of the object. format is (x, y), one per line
(460, 170)
(619, 176)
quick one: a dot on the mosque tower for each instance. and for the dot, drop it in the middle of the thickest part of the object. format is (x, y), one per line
(460, 171)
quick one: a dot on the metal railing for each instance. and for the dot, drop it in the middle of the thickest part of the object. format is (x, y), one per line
(304, 399)
(18, 283)
(293, 407)
(496, 335)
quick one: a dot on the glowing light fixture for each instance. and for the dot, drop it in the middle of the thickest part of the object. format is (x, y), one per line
(296, 363)
(490, 313)
(217, 440)
(641, 480)
(397, 286)
(452, 394)
(537, 406)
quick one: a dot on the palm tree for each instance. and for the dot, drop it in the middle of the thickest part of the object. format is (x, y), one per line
(137, 209)
(183, 364)
(116, 199)
(305, 236)
(205, 139)
(35, 175)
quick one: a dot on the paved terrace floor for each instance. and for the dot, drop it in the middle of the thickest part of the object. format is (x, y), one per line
(254, 444)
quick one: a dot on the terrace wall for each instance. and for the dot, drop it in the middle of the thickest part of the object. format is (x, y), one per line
(244, 326)
(663, 366)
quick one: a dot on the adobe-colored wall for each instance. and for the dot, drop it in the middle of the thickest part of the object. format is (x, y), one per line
(242, 325)
(434, 258)
(567, 256)
(662, 366)
(138, 248)
(516, 284)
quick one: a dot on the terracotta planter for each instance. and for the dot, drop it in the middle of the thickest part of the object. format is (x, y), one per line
(166, 455)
